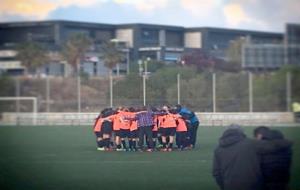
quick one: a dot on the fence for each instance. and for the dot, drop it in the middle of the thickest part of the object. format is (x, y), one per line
(206, 92)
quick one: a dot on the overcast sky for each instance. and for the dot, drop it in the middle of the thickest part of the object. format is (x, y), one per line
(264, 15)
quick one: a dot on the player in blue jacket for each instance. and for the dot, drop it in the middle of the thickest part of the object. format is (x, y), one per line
(192, 121)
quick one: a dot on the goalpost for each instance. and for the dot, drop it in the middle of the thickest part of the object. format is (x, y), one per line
(34, 102)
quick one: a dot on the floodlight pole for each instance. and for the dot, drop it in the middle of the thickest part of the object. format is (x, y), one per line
(47, 93)
(127, 61)
(288, 91)
(250, 84)
(17, 94)
(78, 88)
(214, 91)
(178, 88)
(34, 110)
(111, 89)
(144, 89)
(118, 69)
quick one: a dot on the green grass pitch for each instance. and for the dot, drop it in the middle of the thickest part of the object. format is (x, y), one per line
(57, 157)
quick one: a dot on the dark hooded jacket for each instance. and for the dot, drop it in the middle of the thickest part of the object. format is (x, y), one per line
(276, 165)
(236, 164)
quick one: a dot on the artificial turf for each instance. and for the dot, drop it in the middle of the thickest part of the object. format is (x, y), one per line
(65, 157)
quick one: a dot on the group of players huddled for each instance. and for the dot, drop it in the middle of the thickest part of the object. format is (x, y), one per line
(126, 129)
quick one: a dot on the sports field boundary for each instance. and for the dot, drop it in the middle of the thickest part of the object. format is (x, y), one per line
(206, 119)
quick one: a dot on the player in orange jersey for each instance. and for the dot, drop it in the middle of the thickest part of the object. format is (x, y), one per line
(181, 132)
(97, 130)
(125, 126)
(168, 128)
(133, 132)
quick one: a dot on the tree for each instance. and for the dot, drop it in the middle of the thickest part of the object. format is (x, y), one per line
(129, 90)
(75, 48)
(32, 55)
(202, 60)
(7, 89)
(111, 55)
(234, 55)
(196, 92)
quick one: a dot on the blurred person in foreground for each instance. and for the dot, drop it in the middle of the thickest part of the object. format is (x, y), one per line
(236, 164)
(275, 166)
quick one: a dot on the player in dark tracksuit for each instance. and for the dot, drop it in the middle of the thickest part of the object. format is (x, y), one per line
(192, 124)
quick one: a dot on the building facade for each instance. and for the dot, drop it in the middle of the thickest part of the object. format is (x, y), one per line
(272, 55)
(139, 41)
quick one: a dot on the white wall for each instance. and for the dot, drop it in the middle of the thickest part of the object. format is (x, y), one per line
(125, 35)
(193, 40)
(206, 119)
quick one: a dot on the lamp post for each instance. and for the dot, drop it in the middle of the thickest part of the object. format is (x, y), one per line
(127, 62)
(140, 62)
(144, 75)
(148, 59)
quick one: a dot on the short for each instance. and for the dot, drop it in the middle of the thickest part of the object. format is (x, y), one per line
(124, 133)
(134, 134)
(159, 130)
(154, 134)
(99, 134)
(168, 131)
(117, 133)
(106, 127)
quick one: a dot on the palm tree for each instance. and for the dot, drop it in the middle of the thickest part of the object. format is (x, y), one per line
(73, 51)
(111, 55)
(75, 48)
(32, 55)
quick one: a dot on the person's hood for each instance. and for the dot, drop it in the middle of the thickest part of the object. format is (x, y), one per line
(273, 135)
(231, 137)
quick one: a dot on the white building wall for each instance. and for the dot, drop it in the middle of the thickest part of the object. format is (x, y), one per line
(125, 35)
(162, 38)
(193, 40)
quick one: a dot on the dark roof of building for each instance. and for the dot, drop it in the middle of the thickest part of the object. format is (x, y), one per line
(147, 25)
(51, 22)
(135, 25)
(237, 31)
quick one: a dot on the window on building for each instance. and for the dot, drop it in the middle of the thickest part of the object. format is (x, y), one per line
(174, 39)
(150, 37)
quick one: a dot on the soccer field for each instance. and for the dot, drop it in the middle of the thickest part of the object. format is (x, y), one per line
(56, 157)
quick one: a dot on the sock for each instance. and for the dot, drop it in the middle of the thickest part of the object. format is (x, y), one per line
(160, 140)
(130, 144)
(119, 146)
(170, 145)
(106, 143)
(134, 144)
(124, 144)
(184, 143)
(164, 145)
(100, 143)
(154, 143)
